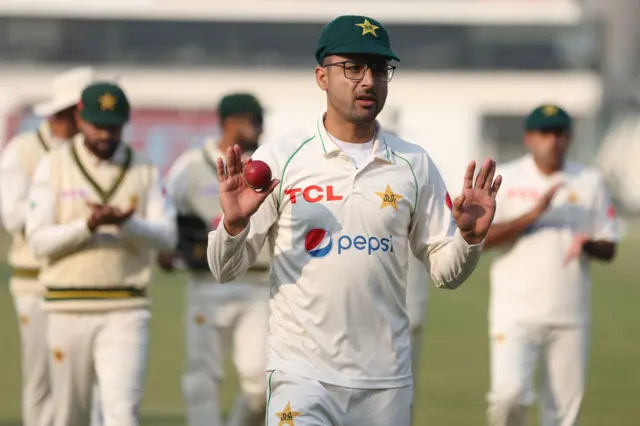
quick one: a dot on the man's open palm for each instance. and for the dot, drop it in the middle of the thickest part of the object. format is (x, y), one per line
(475, 208)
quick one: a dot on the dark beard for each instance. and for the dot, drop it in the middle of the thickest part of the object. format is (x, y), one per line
(103, 154)
(248, 146)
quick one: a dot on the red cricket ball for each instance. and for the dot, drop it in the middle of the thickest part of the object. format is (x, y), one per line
(257, 175)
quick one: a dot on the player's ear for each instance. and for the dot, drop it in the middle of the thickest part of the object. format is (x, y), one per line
(322, 77)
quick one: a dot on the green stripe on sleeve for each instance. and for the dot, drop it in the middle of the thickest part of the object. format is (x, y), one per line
(415, 179)
(284, 169)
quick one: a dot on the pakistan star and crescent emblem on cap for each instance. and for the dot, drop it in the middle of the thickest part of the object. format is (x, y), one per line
(107, 102)
(389, 198)
(287, 417)
(368, 28)
(550, 110)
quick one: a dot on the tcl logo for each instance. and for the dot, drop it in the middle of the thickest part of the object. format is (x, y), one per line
(312, 194)
(523, 193)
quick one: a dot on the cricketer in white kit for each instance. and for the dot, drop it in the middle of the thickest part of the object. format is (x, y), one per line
(553, 218)
(339, 232)
(17, 165)
(220, 317)
(97, 212)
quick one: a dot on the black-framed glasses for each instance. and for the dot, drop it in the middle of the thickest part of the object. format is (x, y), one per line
(356, 71)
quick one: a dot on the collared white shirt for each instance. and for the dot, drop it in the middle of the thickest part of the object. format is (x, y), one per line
(339, 238)
(177, 181)
(192, 184)
(529, 280)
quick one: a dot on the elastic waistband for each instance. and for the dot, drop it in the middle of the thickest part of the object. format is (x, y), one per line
(53, 294)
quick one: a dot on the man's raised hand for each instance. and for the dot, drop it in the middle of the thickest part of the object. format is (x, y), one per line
(475, 208)
(238, 201)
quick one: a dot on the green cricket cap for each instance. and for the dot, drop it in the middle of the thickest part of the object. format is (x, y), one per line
(353, 34)
(548, 117)
(104, 104)
(238, 104)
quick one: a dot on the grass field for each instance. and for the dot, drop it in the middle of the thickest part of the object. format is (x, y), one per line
(455, 365)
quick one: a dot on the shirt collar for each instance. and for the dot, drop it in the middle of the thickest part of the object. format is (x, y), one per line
(88, 157)
(381, 150)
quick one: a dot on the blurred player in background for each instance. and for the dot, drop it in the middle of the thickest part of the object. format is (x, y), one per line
(97, 211)
(219, 317)
(351, 201)
(553, 217)
(17, 166)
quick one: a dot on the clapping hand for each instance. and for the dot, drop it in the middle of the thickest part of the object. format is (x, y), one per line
(102, 214)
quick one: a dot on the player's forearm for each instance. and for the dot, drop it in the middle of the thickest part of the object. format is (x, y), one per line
(14, 191)
(159, 235)
(13, 204)
(505, 233)
(14, 216)
(601, 250)
(227, 255)
(452, 263)
(56, 240)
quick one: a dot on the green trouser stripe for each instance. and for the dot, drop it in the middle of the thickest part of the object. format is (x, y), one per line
(266, 415)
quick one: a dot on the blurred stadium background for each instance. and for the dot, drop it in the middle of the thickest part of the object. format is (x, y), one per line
(470, 71)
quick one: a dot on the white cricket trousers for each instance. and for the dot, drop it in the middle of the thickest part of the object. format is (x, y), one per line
(225, 317)
(516, 351)
(295, 400)
(107, 347)
(37, 408)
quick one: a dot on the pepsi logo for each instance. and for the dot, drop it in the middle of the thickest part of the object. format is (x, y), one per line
(318, 242)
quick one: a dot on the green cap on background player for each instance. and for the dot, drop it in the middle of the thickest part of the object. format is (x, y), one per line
(239, 104)
(104, 104)
(546, 118)
(351, 34)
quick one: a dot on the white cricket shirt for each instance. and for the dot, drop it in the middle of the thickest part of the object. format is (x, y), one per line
(339, 239)
(529, 281)
(192, 184)
(417, 276)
